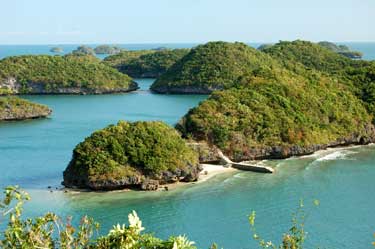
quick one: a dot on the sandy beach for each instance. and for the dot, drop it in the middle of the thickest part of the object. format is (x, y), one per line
(211, 170)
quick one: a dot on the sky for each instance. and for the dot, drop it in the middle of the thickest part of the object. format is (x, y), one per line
(184, 21)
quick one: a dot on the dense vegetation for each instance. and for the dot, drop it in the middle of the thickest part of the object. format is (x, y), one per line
(244, 122)
(341, 49)
(50, 231)
(60, 74)
(124, 57)
(13, 108)
(131, 151)
(146, 64)
(106, 49)
(309, 54)
(150, 65)
(357, 74)
(216, 66)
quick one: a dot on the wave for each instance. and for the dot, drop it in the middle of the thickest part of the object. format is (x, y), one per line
(336, 155)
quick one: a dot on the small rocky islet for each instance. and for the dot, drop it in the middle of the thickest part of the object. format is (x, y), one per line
(14, 108)
(139, 155)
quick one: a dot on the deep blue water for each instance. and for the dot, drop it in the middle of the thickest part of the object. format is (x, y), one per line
(34, 153)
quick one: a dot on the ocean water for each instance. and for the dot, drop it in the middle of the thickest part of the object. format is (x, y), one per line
(34, 153)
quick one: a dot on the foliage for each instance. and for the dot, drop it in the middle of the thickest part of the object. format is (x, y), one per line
(217, 65)
(266, 114)
(128, 149)
(51, 232)
(264, 46)
(341, 49)
(83, 50)
(124, 57)
(54, 72)
(13, 108)
(152, 64)
(359, 75)
(292, 240)
(106, 49)
(309, 54)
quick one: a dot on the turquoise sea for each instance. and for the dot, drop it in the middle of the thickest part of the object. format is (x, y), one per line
(34, 153)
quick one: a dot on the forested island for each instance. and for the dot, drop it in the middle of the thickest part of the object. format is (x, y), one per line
(280, 100)
(83, 50)
(341, 49)
(14, 108)
(56, 50)
(107, 49)
(140, 155)
(71, 74)
(145, 63)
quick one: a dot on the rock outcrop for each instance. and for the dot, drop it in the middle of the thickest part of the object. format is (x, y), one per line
(12, 86)
(12, 109)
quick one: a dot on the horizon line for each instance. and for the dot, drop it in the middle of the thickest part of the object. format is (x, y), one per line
(145, 43)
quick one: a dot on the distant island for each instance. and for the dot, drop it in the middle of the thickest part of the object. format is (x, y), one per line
(341, 49)
(140, 155)
(58, 50)
(83, 50)
(146, 63)
(107, 49)
(215, 66)
(71, 74)
(14, 108)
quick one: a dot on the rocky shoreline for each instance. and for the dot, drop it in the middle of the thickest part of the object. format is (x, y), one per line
(17, 109)
(209, 153)
(184, 89)
(13, 87)
(139, 181)
(209, 167)
(12, 117)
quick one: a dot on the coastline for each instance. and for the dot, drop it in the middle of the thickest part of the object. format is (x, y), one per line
(211, 170)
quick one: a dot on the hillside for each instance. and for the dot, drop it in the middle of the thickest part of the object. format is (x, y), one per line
(124, 57)
(151, 65)
(279, 120)
(216, 66)
(131, 155)
(359, 75)
(341, 49)
(70, 74)
(309, 54)
(13, 108)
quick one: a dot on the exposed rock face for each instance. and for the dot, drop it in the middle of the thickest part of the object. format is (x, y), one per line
(12, 109)
(149, 184)
(282, 152)
(207, 153)
(73, 179)
(11, 85)
(185, 89)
